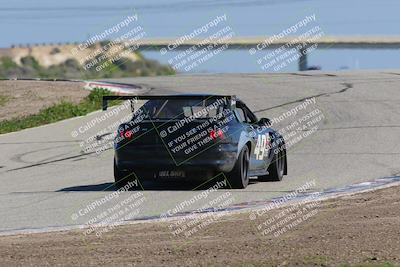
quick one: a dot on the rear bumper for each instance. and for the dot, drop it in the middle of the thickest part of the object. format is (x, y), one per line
(219, 158)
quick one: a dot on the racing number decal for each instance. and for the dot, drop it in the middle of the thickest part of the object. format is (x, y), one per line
(262, 146)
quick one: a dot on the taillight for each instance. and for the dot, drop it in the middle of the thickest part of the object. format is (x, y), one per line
(126, 134)
(214, 134)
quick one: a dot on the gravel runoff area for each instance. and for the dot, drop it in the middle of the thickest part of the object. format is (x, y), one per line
(358, 229)
(22, 98)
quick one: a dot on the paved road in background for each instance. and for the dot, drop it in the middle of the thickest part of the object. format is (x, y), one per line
(46, 178)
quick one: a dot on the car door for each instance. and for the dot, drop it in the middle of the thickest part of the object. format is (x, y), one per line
(261, 137)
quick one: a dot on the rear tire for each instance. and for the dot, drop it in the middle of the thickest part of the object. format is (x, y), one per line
(121, 177)
(238, 177)
(276, 168)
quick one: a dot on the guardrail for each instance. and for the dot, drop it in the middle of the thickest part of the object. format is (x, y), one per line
(246, 43)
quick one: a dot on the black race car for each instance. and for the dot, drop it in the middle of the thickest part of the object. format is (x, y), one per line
(196, 136)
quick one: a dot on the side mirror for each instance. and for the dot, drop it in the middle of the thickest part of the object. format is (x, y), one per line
(265, 121)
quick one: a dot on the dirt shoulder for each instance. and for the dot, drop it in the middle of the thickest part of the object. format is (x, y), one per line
(22, 98)
(362, 229)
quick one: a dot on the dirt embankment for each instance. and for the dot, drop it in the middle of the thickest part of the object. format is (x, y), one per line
(364, 228)
(48, 55)
(22, 98)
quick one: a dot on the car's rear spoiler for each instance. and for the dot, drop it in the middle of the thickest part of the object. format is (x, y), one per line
(230, 98)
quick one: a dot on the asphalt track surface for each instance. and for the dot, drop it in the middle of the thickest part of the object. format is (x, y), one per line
(46, 178)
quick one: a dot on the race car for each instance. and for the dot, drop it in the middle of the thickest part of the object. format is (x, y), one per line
(198, 136)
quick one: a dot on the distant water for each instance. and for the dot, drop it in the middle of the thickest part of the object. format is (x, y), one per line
(49, 21)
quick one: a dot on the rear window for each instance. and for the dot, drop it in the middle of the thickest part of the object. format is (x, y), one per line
(183, 108)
